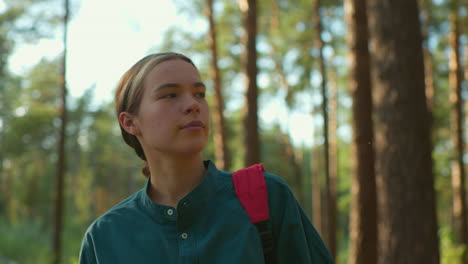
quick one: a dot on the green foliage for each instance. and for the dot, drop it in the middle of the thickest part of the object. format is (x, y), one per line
(451, 253)
(274, 141)
(234, 132)
(35, 19)
(102, 170)
(96, 159)
(24, 242)
(29, 145)
(344, 200)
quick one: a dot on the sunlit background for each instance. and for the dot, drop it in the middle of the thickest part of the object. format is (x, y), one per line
(107, 37)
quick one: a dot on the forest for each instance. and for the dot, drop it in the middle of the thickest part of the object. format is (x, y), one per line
(385, 83)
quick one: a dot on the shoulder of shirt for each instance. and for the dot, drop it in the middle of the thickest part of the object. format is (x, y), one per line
(127, 204)
(273, 179)
(276, 185)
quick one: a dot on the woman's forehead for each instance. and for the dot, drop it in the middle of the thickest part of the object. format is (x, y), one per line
(174, 69)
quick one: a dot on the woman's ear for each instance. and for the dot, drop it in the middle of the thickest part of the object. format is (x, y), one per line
(129, 123)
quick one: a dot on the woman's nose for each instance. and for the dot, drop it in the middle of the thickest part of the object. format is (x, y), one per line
(191, 105)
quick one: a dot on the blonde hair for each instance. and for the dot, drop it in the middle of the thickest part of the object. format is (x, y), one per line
(130, 90)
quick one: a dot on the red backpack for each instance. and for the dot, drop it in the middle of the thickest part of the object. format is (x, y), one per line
(251, 189)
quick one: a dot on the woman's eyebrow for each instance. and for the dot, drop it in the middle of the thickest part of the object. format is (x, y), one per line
(165, 86)
(199, 84)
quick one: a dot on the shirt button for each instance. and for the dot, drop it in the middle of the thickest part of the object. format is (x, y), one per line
(170, 212)
(184, 235)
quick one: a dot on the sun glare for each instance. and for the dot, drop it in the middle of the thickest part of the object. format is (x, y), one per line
(106, 39)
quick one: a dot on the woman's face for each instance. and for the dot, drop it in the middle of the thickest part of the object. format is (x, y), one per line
(173, 116)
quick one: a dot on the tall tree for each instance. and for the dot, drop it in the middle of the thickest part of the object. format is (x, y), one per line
(426, 7)
(249, 60)
(317, 200)
(7, 18)
(363, 222)
(329, 224)
(466, 60)
(58, 217)
(405, 180)
(333, 152)
(456, 124)
(219, 134)
(293, 165)
(466, 77)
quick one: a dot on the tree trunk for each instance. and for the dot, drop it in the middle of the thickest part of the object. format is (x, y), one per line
(466, 65)
(405, 181)
(426, 8)
(330, 240)
(466, 78)
(57, 245)
(3, 176)
(332, 200)
(294, 166)
(456, 117)
(316, 191)
(363, 219)
(101, 199)
(251, 141)
(219, 133)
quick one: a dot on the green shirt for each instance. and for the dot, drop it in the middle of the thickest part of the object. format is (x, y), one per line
(209, 225)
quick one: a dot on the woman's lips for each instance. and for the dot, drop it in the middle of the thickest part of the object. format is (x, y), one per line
(194, 125)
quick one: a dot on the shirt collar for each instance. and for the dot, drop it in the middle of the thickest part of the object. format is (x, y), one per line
(198, 197)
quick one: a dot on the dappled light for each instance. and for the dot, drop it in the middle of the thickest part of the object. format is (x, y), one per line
(359, 106)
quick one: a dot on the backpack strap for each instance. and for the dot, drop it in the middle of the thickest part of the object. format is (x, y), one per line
(251, 190)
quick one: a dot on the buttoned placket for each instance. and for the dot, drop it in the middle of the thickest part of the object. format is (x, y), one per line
(185, 237)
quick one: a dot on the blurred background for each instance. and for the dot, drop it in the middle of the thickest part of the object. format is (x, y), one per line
(346, 103)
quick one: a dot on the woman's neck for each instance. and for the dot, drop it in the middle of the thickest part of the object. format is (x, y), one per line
(174, 177)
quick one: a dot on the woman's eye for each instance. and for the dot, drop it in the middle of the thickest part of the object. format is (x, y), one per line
(171, 95)
(200, 95)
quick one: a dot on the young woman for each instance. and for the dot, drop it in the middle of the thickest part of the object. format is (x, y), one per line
(188, 211)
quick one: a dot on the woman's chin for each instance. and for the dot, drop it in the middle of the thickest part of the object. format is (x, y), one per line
(191, 149)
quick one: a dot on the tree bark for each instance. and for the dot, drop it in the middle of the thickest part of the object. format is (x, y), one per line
(333, 152)
(327, 223)
(3, 176)
(58, 219)
(456, 121)
(466, 77)
(294, 166)
(363, 219)
(219, 133)
(405, 181)
(251, 140)
(426, 7)
(317, 215)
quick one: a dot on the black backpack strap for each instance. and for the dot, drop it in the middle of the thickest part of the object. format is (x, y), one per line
(266, 237)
